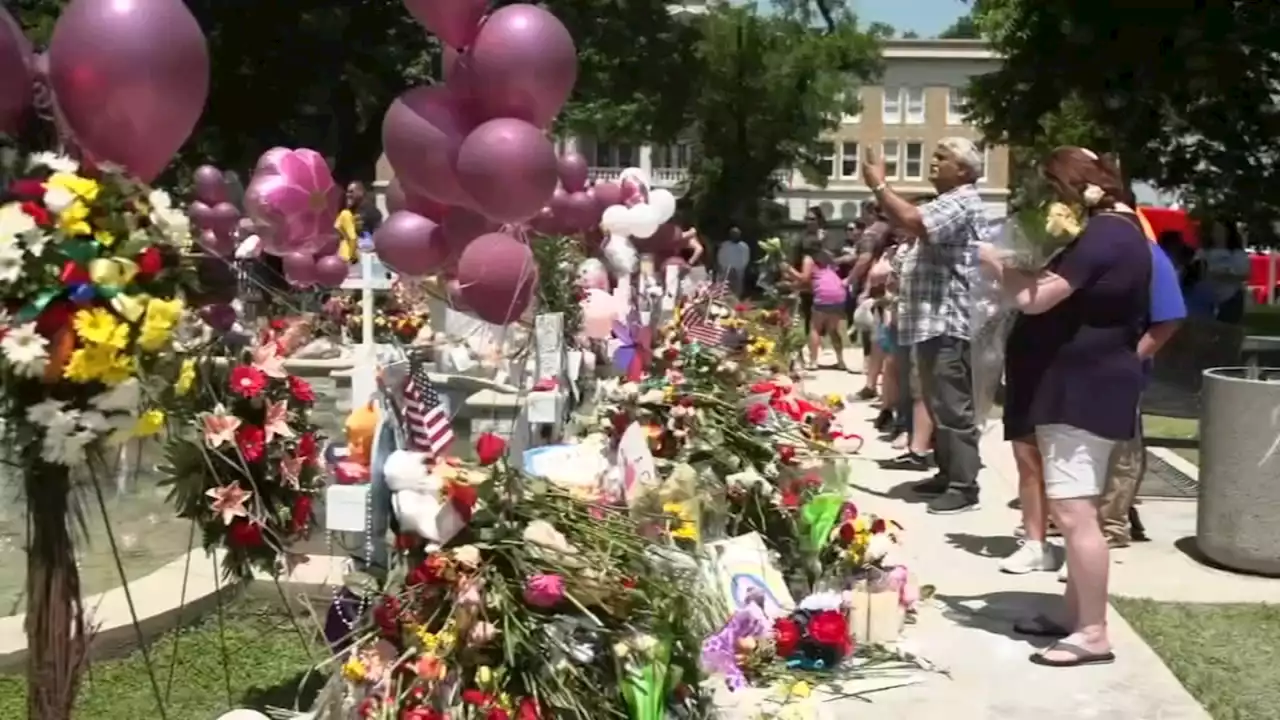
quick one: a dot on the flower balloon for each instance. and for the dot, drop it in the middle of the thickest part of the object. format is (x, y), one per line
(294, 201)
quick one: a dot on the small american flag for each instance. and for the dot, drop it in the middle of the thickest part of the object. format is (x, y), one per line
(696, 321)
(426, 420)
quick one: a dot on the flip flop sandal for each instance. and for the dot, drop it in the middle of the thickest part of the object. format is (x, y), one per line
(1081, 656)
(1041, 626)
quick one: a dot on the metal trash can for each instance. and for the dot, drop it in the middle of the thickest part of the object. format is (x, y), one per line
(1238, 517)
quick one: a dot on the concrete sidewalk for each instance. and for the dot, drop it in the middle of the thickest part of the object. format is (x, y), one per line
(967, 628)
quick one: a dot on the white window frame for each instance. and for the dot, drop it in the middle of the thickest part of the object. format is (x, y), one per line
(828, 158)
(892, 98)
(906, 160)
(891, 153)
(956, 97)
(912, 116)
(844, 157)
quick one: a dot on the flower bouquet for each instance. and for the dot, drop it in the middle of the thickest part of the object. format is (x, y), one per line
(250, 472)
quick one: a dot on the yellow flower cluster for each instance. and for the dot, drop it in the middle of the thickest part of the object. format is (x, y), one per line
(857, 549)
(104, 338)
(686, 525)
(760, 347)
(186, 378)
(74, 217)
(161, 318)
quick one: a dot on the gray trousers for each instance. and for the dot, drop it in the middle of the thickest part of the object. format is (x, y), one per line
(946, 381)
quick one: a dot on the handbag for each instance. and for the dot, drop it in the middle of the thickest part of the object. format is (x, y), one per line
(864, 315)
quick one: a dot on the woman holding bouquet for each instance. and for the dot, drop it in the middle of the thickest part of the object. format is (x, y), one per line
(1073, 379)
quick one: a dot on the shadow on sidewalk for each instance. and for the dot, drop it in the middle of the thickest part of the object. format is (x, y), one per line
(997, 612)
(901, 491)
(990, 546)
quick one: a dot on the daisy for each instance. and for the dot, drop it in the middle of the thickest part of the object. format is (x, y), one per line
(53, 161)
(10, 262)
(45, 412)
(14, 222)
(122, 397)
(24, 348)
(66, 448)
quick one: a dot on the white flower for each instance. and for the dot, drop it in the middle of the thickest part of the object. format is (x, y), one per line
(122, 397)
(24, 348)
(53, 161)
(97, 422)
(159, 200)
(1092, 195)
(644, 644)
(66, 449)
(745, 479)
(14, 222)
(10, 262)
(829, 600)
(36, 243)
(57, 199)
(878, 547)
(45, 412)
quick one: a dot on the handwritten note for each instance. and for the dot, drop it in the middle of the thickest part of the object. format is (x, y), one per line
(635, 462)
(742, 565)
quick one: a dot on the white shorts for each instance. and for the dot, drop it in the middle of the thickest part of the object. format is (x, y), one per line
(1075, 461)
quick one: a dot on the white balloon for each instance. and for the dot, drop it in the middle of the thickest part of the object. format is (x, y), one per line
(614, 220)
(243, 714)
(640, 177)
(621, 255)
(642, 220)
(664, 202)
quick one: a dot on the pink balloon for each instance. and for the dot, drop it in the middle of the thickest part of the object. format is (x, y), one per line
(200, 213)
(522, 64)
(223, 218)
(299, 268)
(331, 245)
(573, 172)
(421, 133)
(667, 241)
(211, 187)
(411, 244)
(509, 167)
(632, 193)
(461, 226)
(454, 21)
(582, 209)
(270, 160)
(545, 222)
(217, 243)
(331, 271)
(497, 276)
(398, 199)
(131, 79)
(15, 74)
(296, 199)
(606, 194)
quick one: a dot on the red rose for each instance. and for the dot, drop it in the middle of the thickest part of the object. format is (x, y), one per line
(830, 628)
(847, 533)
(757, 413)
(54, 317)
(427, 572)
(368, 707)
(479, 698)
(244, 534)
(786, 636)
(386, 615)
(790, 499)
(422, 713)
(301, 516)
(528, 709)
(247, 381)
(37, 213)
(490, 448)
(251, 440)
(463, 498)
(301, 390)
(741, 308)
(306, 446)
(278, 324)
(786, 454)
(877, 526)
(150, 262)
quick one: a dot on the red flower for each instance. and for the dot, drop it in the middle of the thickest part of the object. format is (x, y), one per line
(386, 615)
(757, 413)
(73, 274)
(278, 324)
(55, 316)
(247, 381)
(407, 541)
(428, 572)
(301, 390)
(463, 498)
(300, 518)
(27, 189)
(877, 526)
(422, 713)
(786, 636)
(528, 709)
(790, 499)
(671, 353)
(150, 262)
(490, 448)
(629, 583)
(368, 707)
(786, 454)
(830, 628)
(847, 533)
(620, 421)
(741, 308)
(244, 534)
(762, 387)
(479, 698)
(498, 714)
(251, 440)
(306, 446)
(37, 213)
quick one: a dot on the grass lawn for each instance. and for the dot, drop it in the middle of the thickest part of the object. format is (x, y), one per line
(1167, 427)
(1225, 655)
(266, 666)
(1263, 320)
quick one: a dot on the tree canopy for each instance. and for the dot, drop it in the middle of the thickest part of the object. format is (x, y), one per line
(1185, 94)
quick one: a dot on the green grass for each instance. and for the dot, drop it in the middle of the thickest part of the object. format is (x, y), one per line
(1225, 655)
(266, 664)
(1168, 427)
(1263, 320)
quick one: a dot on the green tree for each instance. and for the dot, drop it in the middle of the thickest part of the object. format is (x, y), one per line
(770, 87)
(964, 28)
(1184, 95)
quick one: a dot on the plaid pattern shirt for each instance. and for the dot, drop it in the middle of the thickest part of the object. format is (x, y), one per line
(935, 277)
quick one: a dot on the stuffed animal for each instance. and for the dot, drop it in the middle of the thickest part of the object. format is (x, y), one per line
(418, 496)
(353, 467)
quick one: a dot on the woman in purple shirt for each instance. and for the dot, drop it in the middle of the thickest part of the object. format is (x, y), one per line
(1074, 377)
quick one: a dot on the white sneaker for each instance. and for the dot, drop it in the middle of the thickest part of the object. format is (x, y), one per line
(1029, 557)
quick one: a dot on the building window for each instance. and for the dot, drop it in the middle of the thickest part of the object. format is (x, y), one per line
(913, 161)
(893, 105)
(892, 159)
(956, 98)
(827, 159)
(856, 116)
(848, 159)
(671, 157)
(914, 100)
(610, 155)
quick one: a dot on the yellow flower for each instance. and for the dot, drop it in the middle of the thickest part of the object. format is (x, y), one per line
(354, 670)
(687, 529)
(186, 378)
(165, 312)
(801, 689)
(78, 194)
(151, 423)
(105, 238)
(96, 326)
(89, 363)
(122, 368)
(861, 525)
(668, 394)
(834, 399)
(430, 641)
(154, 335)
(1062, 221)
(484, 676)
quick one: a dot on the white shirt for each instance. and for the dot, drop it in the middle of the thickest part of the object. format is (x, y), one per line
(733, 255)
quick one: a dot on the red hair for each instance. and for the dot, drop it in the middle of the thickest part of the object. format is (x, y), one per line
(1072, 169)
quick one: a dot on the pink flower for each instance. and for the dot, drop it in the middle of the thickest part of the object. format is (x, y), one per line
(544, 591)
(277, 421)
(267, 359)
(219, 427)
(482, 633)
(228, 502)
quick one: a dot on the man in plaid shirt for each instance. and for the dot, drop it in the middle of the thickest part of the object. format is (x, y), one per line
(935, 292)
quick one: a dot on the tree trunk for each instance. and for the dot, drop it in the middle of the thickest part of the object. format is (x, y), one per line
(56, 642)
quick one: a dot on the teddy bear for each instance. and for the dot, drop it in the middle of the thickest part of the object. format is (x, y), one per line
(417, 486)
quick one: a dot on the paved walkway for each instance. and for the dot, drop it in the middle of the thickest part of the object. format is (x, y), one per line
(967, 630)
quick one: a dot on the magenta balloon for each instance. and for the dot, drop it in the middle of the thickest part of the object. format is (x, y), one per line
(545, 222)
(454, 21)
(421, 133)
(211, 187)
(582, 209)
(462, 225)
(331, 245)
(411, 244)
(200, 213)
(509, 167)
(219, 244)
(297, 199)
(668, 240)
(15, 74)
(523, 64)
(331, 271)
(299, 268)
(606, 194)
(398, 199)
(223, 218)
(496, 277)
(131, 79)
(573, 172)
(269, 162)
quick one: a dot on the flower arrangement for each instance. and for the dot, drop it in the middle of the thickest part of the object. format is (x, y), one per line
(250, 472)
(399, 316)
(543, 606)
